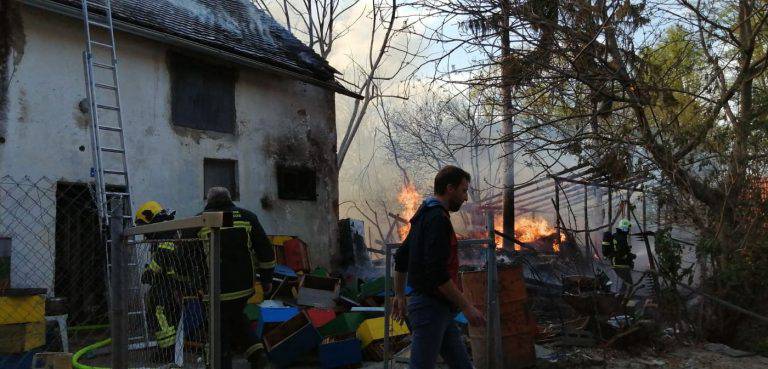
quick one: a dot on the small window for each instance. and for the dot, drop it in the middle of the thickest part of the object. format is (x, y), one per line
(221, 173)
(202, 95)
(296, 183)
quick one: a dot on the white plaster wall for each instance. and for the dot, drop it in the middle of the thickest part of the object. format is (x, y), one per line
(278, 119)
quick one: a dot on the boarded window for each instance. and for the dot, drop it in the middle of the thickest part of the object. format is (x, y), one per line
(221, 173)
(296, 183)
(202, 95)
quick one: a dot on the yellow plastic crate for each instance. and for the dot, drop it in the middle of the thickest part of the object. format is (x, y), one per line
(279, 240)
(21, 309)
(16, 338)
(373, 329)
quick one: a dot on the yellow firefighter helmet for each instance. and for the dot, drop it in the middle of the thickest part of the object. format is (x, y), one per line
(147, 212)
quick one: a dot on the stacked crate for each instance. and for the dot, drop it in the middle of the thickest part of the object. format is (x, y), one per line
(22, 320)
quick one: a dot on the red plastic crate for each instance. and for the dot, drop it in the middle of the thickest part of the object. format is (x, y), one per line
(320, 317)
(296, 255)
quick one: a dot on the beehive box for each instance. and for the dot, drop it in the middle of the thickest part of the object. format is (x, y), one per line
(343, 324)
(52, 360)
(373, 330)
(288, 341)
(22, 305)
(320, 317)
(375, 350)
(319, 292)
(335, 353)
(274, 316)
(296, 255)
(22, 337)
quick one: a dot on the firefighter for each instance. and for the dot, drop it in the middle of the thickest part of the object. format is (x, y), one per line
(245, 249)
(608, 245)
(166, 280)
(621, 253)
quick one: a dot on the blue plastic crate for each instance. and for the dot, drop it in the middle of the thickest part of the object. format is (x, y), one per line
(275, 315)
(340, 353)
(290, 340)
(18, 361)
(284, 271)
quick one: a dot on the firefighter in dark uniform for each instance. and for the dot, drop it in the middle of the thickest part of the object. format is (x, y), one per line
(245, 249)
(621, 255)
(166, 279)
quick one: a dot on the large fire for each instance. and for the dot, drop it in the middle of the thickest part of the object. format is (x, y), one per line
(409, 199)
(528, 229)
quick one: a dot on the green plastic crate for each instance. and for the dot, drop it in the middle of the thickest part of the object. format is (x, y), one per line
(343, 324)
(374, 287)
(253, 312)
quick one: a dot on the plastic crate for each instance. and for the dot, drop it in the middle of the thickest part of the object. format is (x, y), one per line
(18, 338)
(288, 341)
(339, 353)
(320, 317)
(343, 324)
(22, 305)
(373, 330)
(318, 292)
(274, 315)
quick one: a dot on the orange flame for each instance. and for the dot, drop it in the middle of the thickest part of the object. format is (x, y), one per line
(409, 199)
(528, 229)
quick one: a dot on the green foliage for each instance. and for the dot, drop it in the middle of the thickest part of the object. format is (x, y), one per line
(669, 254)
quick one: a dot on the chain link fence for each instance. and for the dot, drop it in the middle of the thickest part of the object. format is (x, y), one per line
(166, 311)
(53, 290)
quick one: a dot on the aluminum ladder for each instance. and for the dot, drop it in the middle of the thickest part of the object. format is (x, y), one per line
(107, 135)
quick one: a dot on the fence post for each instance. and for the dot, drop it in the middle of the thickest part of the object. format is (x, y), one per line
(492, 333)
(118, 290)
(214, 298)
(387, 301)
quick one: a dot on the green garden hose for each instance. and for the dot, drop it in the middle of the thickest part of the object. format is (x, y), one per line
(87, 349)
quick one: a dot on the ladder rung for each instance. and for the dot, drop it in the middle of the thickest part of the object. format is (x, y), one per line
(112, 149)
(102, 65)
(108, 128)
(108, 107)
(117, 193)
(119, 172)
(101, 44)
(96, 5)
(107, 87)
(95, 23)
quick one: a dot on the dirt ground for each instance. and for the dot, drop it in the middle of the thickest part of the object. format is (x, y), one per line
(679, 357)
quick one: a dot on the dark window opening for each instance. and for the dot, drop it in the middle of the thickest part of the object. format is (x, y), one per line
(202, 95)
(296, 183)
(221, 173)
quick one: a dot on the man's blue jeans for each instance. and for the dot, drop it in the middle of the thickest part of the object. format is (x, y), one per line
(434, 332)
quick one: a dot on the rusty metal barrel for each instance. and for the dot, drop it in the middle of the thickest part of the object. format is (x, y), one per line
(518, 325)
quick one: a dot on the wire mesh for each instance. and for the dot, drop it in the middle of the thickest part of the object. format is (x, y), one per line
(167, 279)
(53, 294)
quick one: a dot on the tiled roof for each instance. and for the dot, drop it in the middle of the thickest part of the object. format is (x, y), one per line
(236, 26)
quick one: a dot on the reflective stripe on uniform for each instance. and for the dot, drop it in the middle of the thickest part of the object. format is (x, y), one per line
(237, 294)
(253, 349)
(166, 336)
(167, 246)
(154, 266)
(267, 265)
(204, 233)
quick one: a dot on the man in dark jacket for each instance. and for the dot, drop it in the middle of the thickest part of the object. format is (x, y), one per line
(245, 249)
(429, 260)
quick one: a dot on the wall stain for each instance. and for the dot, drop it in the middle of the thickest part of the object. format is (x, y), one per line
(80, 114)
(12, 42)
(23, 106)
